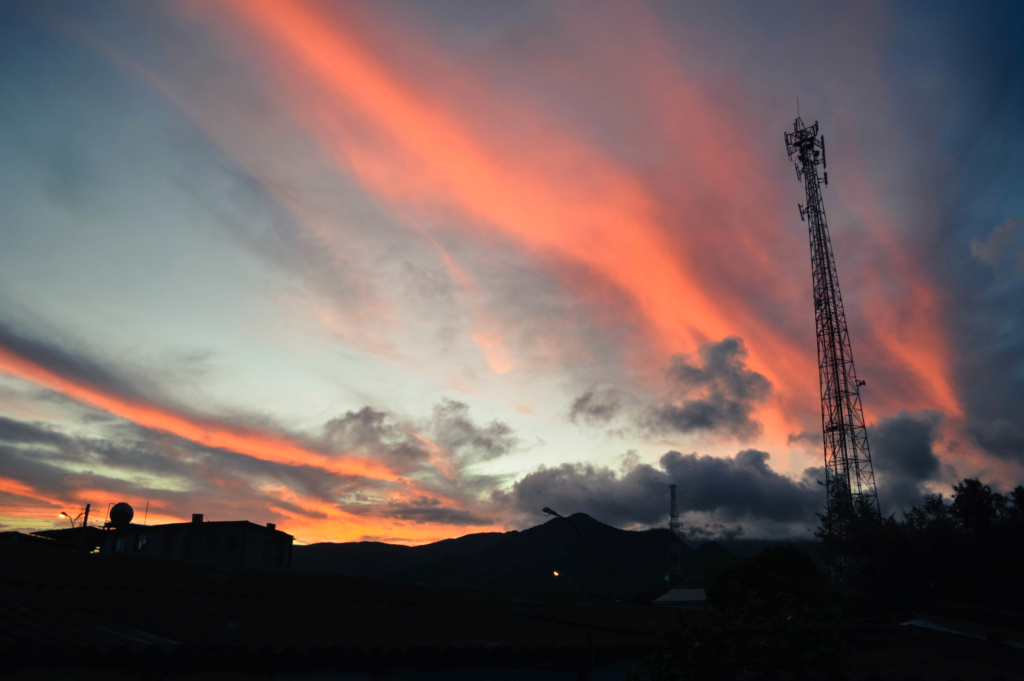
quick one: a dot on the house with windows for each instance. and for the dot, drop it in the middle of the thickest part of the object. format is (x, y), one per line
(227, 544)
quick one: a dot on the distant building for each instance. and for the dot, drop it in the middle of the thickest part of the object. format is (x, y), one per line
(687, 599)
(87, 539)
(228, 544)
(35, 539)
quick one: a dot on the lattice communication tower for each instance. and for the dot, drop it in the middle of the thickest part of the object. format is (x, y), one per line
(849, 478)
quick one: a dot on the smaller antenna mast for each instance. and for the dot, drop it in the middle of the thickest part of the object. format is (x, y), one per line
(675, 552)
(673, 513)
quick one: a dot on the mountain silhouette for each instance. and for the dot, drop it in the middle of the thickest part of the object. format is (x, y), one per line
(589, 557)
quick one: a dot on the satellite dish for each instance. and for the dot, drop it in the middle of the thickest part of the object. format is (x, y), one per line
(121, 515)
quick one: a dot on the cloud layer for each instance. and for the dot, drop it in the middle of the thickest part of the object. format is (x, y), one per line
(715, 393)
(903, 453)
(741, 489)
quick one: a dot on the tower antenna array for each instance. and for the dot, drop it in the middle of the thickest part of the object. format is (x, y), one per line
(849, 477)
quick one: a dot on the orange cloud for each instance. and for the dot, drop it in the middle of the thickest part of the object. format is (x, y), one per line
(28, 515)
(699, 260)
(335, 524)
(604, 221)
(905, 308)
(20, 489)
(316, 520)
(440, 459)
(259, 445)
(601, 217)
(324, 520)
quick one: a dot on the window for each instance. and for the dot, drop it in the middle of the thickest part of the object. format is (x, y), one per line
(140, 542)
(205, 542)
(272, 551)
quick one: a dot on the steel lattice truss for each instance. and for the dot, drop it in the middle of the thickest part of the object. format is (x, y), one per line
(849, 478)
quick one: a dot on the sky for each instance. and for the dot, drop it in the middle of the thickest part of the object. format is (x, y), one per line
(404, 271)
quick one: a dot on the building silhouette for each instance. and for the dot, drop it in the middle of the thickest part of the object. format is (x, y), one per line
(227, 544)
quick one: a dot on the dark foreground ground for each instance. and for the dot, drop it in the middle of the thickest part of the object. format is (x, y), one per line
(72, 616)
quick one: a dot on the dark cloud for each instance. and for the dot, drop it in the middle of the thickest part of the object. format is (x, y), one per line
(713, 393)
(182, 476)
(807, 438)
(155, 451)
(387, 438)
(636, 497)
(297, 509)
(54, 481)
(719, 532)
(367, 427)
(741, 487)
(192, 476)
(978, 245)
(368, 431)
(902, 445)
(595, 408)
(1003, 250)
(73, 365)
(377, 434)
(420, 510)
(22, 432)
(452, 428)
(1000, 437)
(903, 457)
(219, 498)
(72, 178)
(730, 490)
(141, 382)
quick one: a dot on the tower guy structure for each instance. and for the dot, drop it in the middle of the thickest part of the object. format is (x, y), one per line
(673, 512)
(675, 555)
(849, 478)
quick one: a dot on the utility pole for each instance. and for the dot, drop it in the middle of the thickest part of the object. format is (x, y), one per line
(849, 477)
(83, 529)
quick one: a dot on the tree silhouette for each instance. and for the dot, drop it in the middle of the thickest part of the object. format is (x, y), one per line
(961, 549)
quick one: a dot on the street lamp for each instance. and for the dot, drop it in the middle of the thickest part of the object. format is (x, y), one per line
(65, 515)
(547, 510)
(567, 578)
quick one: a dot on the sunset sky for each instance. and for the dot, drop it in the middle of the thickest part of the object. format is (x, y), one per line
(405, 271)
